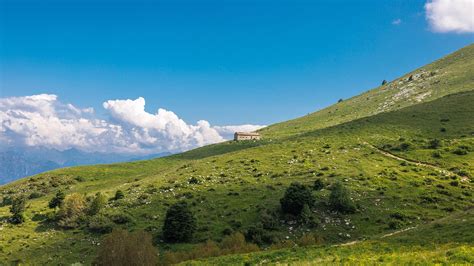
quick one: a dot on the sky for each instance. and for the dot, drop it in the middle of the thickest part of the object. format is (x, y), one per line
(173, 75)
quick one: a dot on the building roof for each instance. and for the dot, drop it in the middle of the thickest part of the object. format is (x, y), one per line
(247, 133)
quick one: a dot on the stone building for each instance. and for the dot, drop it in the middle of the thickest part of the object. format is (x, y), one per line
(246, 136)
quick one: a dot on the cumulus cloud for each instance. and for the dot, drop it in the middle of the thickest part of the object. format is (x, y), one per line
(450, 15)
(42, 120)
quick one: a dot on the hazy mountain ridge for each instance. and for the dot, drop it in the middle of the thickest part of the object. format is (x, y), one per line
(17, 163)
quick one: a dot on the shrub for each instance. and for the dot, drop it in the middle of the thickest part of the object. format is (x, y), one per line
(256, 234)
(394, 224)
(123, 248)
(194, 181)
(461, 150)
(119, 195)
(97, 204)
(180, 223)
(100, 224)
(404, 146)
(269, 219)
(436, 154)
(318, 184)
(57, 200)
(122, 218)
(340, 199)
(236, 243)
(71, 211)
(296, 196)
(6, 200)
(227, 231)
(307, 217)
(17, 210)
(434, 144)
(35, 195)
(454, 183)
(384, 82)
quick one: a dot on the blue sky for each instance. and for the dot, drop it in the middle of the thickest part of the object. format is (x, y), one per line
(229, 62)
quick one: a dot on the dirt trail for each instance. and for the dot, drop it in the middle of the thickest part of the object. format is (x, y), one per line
(417, 163)
(384, 236)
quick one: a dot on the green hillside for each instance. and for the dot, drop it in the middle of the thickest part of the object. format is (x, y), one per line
(404, 150)
(431, 243)
(451, 74)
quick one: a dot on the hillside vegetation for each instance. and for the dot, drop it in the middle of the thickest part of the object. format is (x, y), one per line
(403, 152)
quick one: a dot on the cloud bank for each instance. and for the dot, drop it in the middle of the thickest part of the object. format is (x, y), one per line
(42, 120)
(450, 15)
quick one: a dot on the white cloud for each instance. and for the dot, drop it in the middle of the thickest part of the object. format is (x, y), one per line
(42, 120)
(397, 22)
(450, 15)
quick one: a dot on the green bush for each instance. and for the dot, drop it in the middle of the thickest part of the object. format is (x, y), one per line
(57, 200)
(100, 224)
(180, 223)
(6, 200)
(269, 219)
(72, 211)
(122, 218)
(194, 181)
(404, 146)
(296, 196)
(340, 199)
(434, 144)
(436, 154)
(35, 195)
(461, 150)
(17, 210)
(97, 204)
(119, 195)
(258, 235)
(318, 184)
(307, 217)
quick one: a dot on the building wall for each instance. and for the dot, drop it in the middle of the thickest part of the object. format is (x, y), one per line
(246, 137)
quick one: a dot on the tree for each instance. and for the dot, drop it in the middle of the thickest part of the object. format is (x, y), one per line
(180, 223)
(71, 211)
(128, 249)
(17, 210)
(340, 199)
(296, 196)
(340, 100)
(119, 195)
(97, 204)
(384, 82)
(57, 200)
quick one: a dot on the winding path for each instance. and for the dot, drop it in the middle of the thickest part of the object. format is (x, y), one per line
(417, 163)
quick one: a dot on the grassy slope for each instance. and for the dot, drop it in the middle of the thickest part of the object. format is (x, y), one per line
(258, 172)
(427, 244)
(451, 74)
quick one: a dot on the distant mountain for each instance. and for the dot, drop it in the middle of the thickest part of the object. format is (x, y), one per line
(16, 163)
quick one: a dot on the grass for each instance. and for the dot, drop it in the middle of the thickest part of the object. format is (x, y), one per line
(427, 244)
(347, 143)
